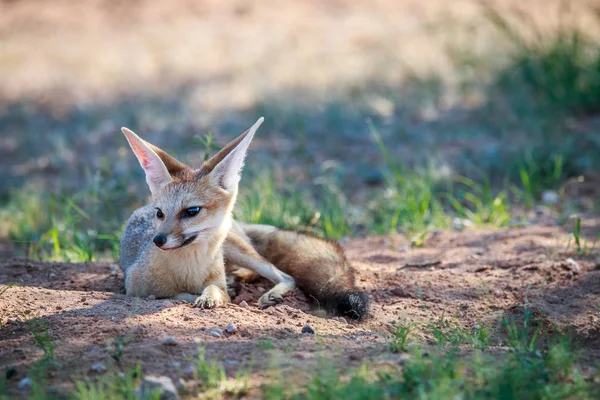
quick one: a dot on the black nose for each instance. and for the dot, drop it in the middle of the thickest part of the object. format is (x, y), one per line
(160, 240)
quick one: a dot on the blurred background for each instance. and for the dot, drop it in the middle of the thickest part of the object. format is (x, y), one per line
(380, 117)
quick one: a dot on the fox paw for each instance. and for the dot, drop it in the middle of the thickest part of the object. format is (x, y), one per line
(269, 300)
(205, 301)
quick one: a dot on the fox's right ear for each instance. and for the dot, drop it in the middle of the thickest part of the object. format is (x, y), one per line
(157, 174)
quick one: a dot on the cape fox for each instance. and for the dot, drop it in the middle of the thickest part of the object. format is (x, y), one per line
(181, 245)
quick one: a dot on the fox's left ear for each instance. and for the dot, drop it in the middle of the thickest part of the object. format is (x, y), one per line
(230, 160)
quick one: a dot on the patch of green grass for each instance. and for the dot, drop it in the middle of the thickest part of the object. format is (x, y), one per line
(478, 202)
(418, 202)
(111, 386)
(76, 225)
(261, 201)
(522, 338)
(38, 372)
(410, 201)
(554, 71)
(536, 174)
(266, 345)
(41, 333)
(583, 246)
(209, 374)
(116, 348)
(58, 227)
(401, 338)
(452, 333)
(334, 216)
(545, 374)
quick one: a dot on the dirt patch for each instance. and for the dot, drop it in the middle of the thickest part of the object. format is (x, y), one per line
(482, 276)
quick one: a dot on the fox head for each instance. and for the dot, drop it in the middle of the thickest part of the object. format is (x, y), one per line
(192, 205)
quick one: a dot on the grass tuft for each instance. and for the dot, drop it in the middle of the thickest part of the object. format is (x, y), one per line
(111, 386)
(401, 338)
(541, 374)
(557, 70)
(453, 334)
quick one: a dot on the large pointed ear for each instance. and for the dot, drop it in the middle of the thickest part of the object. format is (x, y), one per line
(173, 165)
(157, 174)
(227, 164)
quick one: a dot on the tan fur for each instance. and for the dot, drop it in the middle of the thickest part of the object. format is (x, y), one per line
(189, 265)
(317, 266)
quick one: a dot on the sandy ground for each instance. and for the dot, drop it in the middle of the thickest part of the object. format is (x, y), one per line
(482, 276)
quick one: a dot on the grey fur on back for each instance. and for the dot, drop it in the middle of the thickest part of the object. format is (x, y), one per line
(137, 235)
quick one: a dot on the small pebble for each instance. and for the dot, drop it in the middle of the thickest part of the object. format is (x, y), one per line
(399, 291)
(231, 328)
(574, 265)
(216, 332)
(550, 197)
(308, 329)
(151, 297)
(244, 304)
(98, 367)
(169, 341)
(457, 224)
(153, 384)
(25, 383)
(114, 269)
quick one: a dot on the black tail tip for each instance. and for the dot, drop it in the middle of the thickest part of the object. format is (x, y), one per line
(354, 305)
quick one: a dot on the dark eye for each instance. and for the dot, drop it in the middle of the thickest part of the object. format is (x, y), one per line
(190, 212)
(159, 214)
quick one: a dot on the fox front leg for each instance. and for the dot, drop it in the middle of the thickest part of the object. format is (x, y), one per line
(214, 293)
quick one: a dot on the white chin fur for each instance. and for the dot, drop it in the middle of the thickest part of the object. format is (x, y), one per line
(170, 245)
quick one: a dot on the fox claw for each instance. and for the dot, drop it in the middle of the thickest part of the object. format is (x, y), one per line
(269, 300)
(206, 302)
(203, 303)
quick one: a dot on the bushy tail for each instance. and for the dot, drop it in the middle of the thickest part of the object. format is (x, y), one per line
(353, 304)
(347, 301)
(318, 266)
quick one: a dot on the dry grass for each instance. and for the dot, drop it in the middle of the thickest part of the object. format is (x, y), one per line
(234, 52)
